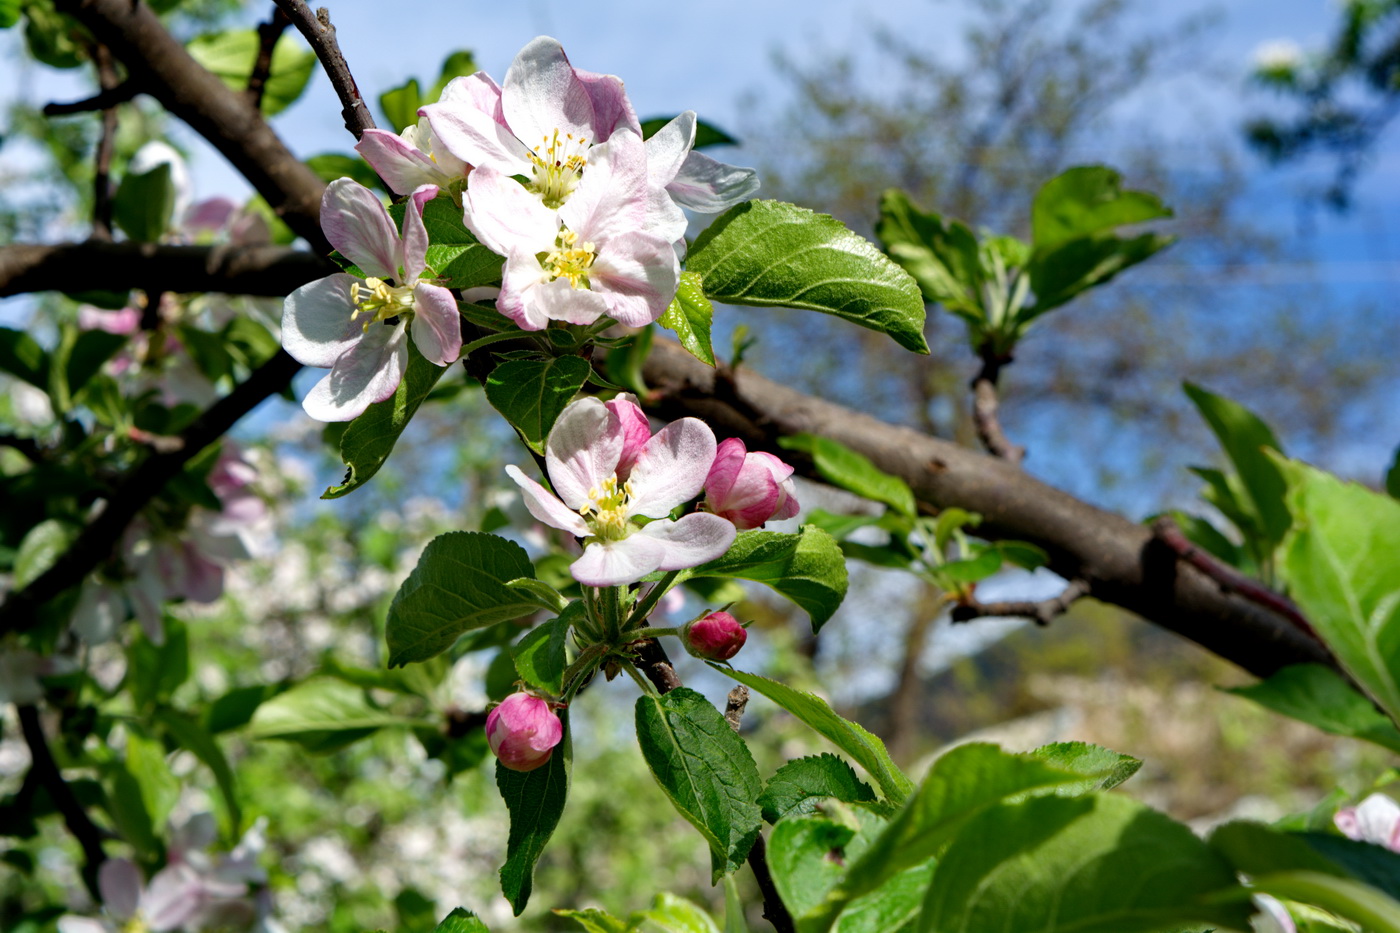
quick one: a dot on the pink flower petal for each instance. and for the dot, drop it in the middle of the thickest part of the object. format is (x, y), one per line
(636, 431)
(357, 225)
(618, 563)
(523, 731)
(582, 450)
(403, 167)
(542, 94)
(637, 273)
(691, 540)
(505, 217)
(729, 461)
(437, 324)
(119, 883)
(476, 137)
(415, 235)
(317, 327)
(671, 469)
(611, 197)
(369, 372)
(546, 508)
(612, 110)
(176, 894)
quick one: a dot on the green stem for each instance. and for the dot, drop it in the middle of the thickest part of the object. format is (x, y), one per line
(642, 682)
(648, 602)
(469, 349)
(612, 613)
(577, 673)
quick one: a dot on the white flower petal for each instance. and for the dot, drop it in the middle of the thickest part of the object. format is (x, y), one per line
(671, 469)
(638, 274)
(402, 166)
(691, 540)
(476, 137)
(357, 225)
(505, 217)
(541, 94)
(617, 563)
(176, 894)
(559, 301)
(546, 507)
(667, 149)
(414, 250)
(520, 277)
(582, 450)
(369, 372)
(119, 883)
(437, 324)
(709, 187)
(317, 327)
(612, 110)
(612, 197)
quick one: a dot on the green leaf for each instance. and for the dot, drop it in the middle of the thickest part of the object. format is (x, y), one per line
(88, 353)
(235, 708)
(1351, 900)
(530, 394)
(1102, 768)
(1367, 862)
(841, 466)
(1341, 562)
(143, 204)
(808, 855)
(808, 568)
(864, 748)
(889, 907)
(1023, 554)
(22, 357)
(329, 166)
(1088, 200)
(1061, 273)
(367, 442)
(1245, 438)
(458, 585)
(52, 37)
(539, 657)
(594, 920)
(1204, 535)
(961, 784)
(1392, 476)
(705, 769)
(231, 54)
(535, 801)
(9, 13)
(1101, 864)
(1320, 697)
(706, 134)
(321, 715)
(461, 920)
(689, 316)
(190, 735)
(1256, 849)
(155, 671)
(142, 791)
(773, 254)
(454, 255)
(734, 921)
(400, 105)
(41, 548)
(672, 914)
(986, 560)
(950, 520)
(942, 255)
(799, 785)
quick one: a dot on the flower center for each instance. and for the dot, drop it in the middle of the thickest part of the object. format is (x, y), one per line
(379, 300)
(569, 259)
(606, 509)
(559, 163)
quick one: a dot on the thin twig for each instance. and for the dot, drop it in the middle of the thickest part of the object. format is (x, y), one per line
(986, 405)
(102, 178)
(268, 34)
(734, 705)
(1042, 612)
(46, 771)
(774, 910)
(103, 100)
(1230, 579)
(321, 35)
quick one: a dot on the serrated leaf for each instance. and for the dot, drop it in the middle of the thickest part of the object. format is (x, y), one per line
(689, 316)
(400, 105)
(841, 466)
(1102, 768)
(461, 920)
(864, 748)
(321, 715)
(1246, 438)
(535, 800)
(773, 254)
(230, 55)
(941, 254)
(1341, 563)
(1319, 696)
(530, 394)
(706, 771)
(458, 585)
(706, 134)
(1101, 864)
(808, 568)
(808, 855)
(799, 785)
(454, 255)
(539, 657)
(367, 442)
(143, 204)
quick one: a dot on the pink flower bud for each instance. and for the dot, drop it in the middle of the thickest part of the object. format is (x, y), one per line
(717, 636)
(523, 731)
(636, 432)
(749, 488)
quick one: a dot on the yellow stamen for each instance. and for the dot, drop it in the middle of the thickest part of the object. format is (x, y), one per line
(558, 165)
(570, 260)
(379, 300)
(607, 504)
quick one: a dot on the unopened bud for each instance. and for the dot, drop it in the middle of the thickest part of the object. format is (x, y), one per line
(523, 731)
(749, 489)
(717, 636)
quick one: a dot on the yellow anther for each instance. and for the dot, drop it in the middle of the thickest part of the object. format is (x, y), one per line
(379, 300)
(557, 167)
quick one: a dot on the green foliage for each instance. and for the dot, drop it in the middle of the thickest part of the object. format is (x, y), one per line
(231, 54)
(454, 255)
(1103, 769)
(329, 166)
(540, 656)
(808, 568)
(367, 442)
(941, 254)
(864, 748)
(531, 394)
(22, 357)
(535, 800)
(772, 254)
(798, 786)
(1320, 697)
(1339, 561)
(706, 771)
(843, 467)
(808, 855)
(1392, 476)
(689, 316)
(459, 585)
(322, 715)
(400, 104)
(42, 546)
(144, 203)
(461, 920)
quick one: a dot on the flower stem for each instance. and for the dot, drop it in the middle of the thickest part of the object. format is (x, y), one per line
(642, 682)
(647, 603)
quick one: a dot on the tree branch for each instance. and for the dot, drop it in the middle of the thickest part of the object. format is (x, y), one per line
(102, 176)
(1042, 612)
(986, 406)
(103, 100)
(45, 770)
(1121, 561)
(272, 271)
(321, 35)
(268, 34)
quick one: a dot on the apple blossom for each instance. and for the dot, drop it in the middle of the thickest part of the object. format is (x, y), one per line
(358, 327)
(1375, 820)
(749, 488)
(716, 636)
(582, 455)
(522, 731)
(416, 157)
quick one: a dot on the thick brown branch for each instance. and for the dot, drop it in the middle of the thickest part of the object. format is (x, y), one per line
(986, 406)
(45, 771)
(155, 59)
(271, 271)
(1122, 561)
(321, 35)
(268, 34)
(1042, 612)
